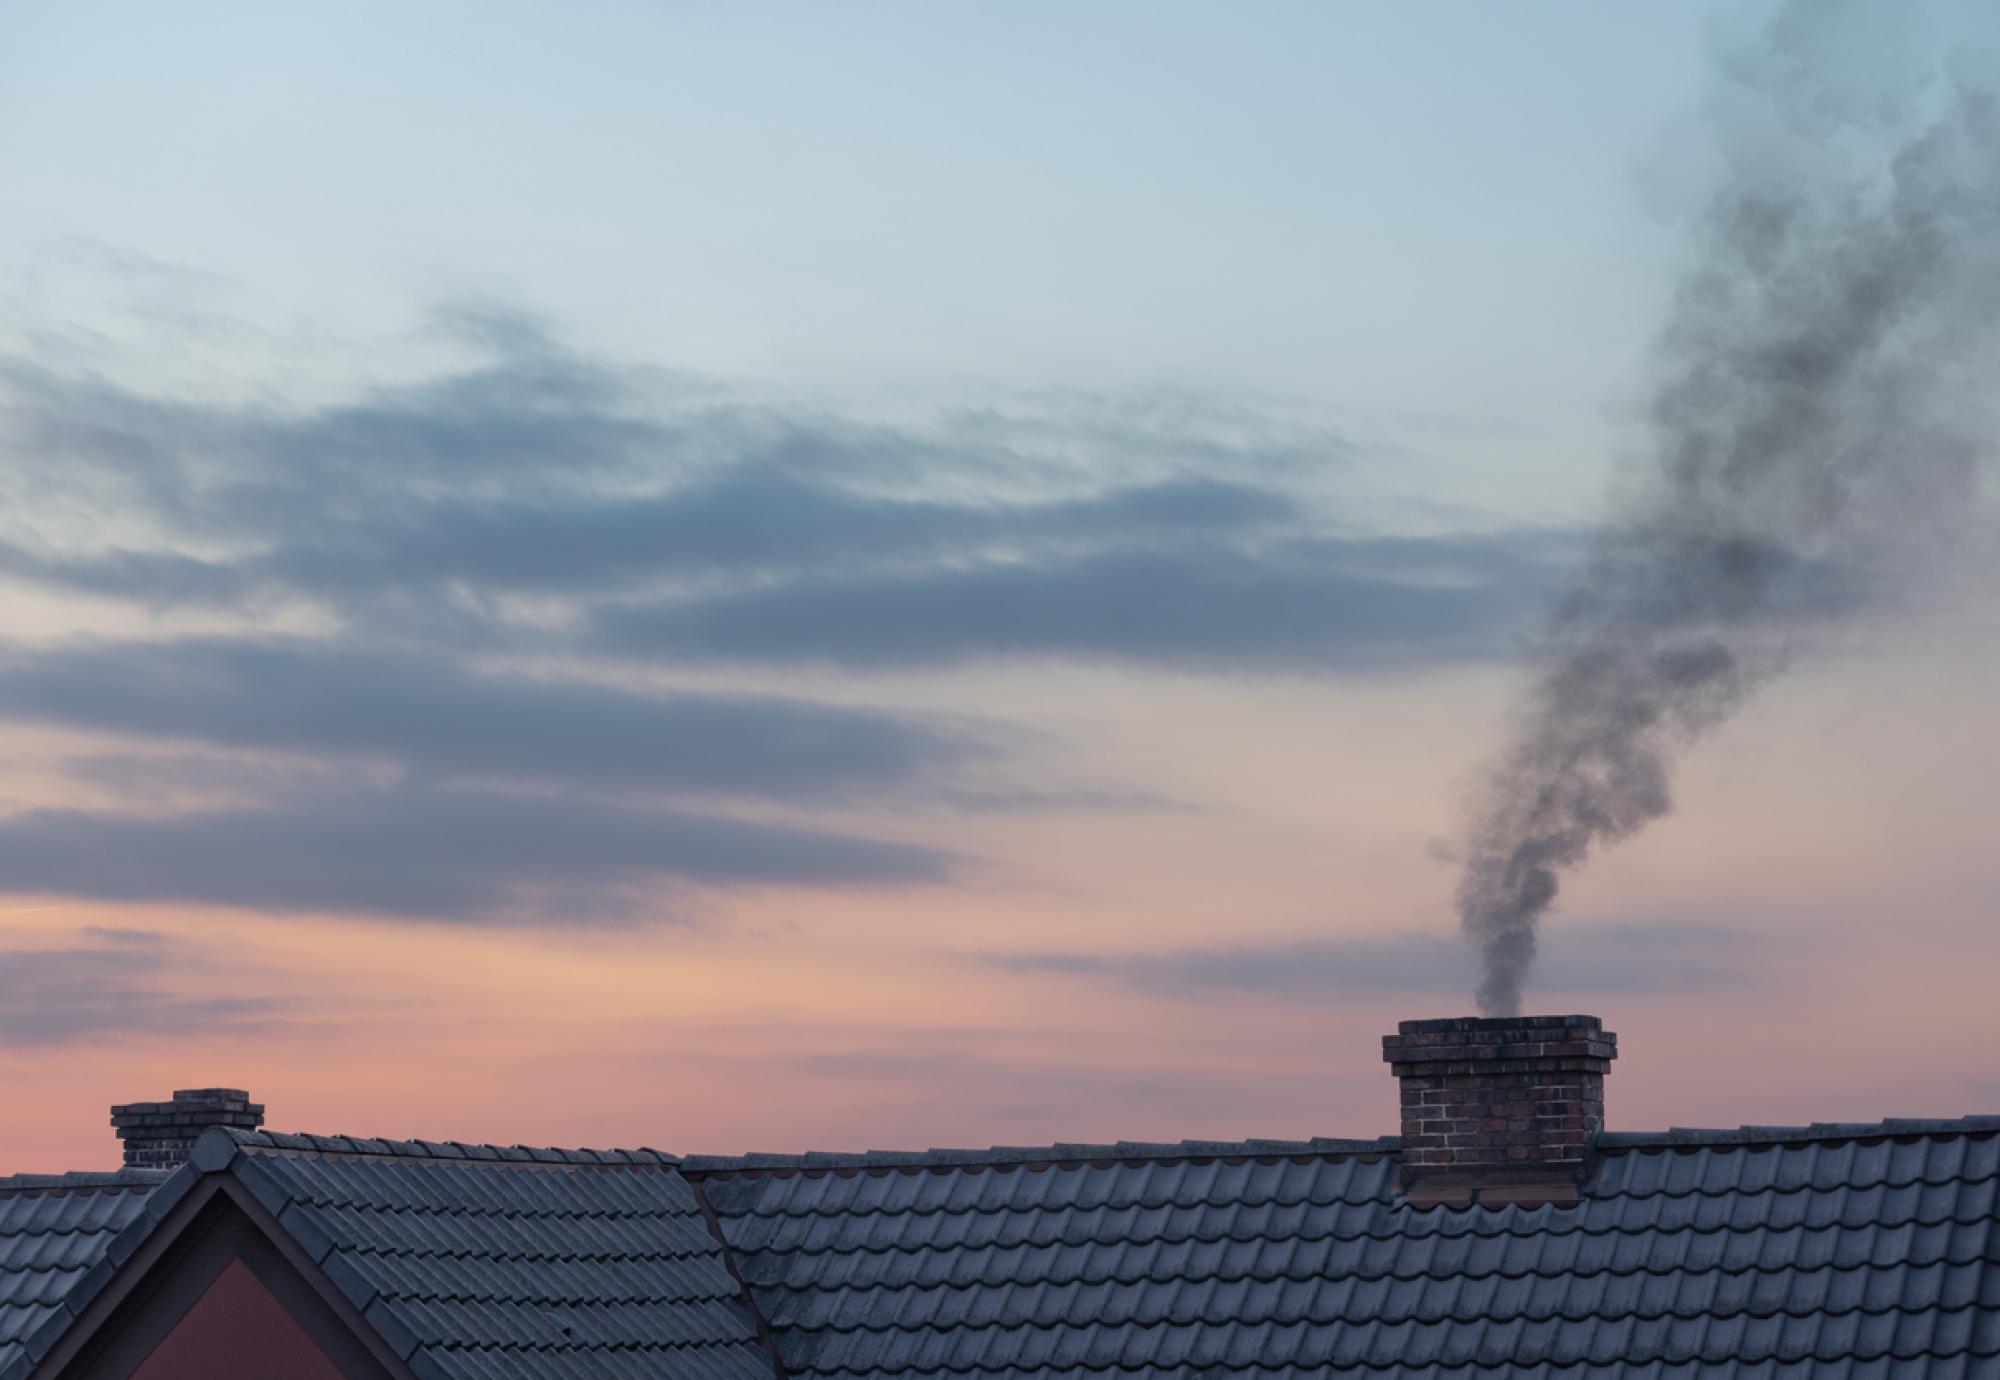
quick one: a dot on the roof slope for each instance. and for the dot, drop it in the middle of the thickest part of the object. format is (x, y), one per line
(478, 1261)
(1840, 1251)
(53, 1228)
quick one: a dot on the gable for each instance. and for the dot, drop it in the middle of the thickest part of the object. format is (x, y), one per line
(239, 1329)
(215, 1293)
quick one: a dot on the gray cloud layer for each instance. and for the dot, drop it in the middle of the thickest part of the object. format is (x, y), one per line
(436, 718)
(536, 506)
(417, 852)
(1197, 604)
(668, 521)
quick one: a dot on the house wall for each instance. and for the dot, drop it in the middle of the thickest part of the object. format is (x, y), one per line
(239, 1329)
(223, 1304)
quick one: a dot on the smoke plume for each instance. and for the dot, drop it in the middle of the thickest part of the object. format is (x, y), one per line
(1811, 420)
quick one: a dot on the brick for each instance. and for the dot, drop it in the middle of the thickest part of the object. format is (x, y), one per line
(161, 1134)
(1482, 1094)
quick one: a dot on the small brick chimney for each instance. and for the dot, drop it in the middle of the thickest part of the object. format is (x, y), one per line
(159, 1135)
(1499, 1110)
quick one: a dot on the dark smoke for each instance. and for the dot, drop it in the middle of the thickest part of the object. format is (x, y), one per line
(1810, 423)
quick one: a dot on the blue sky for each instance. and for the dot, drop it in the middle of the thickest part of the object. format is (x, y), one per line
(905, 199)
(770, 536)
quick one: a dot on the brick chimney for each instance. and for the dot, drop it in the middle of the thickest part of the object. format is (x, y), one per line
(1499, 1110)
(159, 1135)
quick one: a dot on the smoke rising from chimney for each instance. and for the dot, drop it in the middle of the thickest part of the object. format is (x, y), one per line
(1812, 416)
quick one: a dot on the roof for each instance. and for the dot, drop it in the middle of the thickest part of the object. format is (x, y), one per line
(477, 1261)
(53, 1228)
(1825, 1252)
(1772, 1253)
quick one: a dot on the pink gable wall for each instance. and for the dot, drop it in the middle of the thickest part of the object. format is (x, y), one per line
(237, 1329)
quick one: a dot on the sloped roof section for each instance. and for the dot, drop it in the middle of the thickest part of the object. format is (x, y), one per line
(477, 1261)
(53, 1229)
(1851, 1251)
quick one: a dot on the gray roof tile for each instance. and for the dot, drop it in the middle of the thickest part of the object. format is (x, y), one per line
(54, 1228)
(473, 1261)
(1859, 1252)
(1863, 1251)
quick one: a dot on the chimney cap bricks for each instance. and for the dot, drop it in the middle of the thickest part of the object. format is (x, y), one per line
(160, 1135)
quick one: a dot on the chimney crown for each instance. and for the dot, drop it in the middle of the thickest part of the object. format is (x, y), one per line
(161, 1135)
(1494, 1101)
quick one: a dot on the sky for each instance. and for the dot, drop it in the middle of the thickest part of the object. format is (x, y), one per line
(769, 576)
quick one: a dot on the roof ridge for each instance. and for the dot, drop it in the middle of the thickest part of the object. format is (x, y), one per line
(86, 1180)
(1887, 1128)
(1063, 1152)
(377, 1147)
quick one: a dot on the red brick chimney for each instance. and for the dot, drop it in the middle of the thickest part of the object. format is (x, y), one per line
(159, 1135)
(1499, 1110)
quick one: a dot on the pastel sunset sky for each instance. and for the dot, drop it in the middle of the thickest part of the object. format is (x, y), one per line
(779, 576)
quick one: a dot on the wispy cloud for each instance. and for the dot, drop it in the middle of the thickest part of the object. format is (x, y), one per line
(431, 715)
(1652, 957)
(459, 854)
(116, 983)
(1193, 604)
(532, 505)
(665, 521)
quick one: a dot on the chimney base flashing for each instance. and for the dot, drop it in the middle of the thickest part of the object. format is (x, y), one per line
(1464, 1191)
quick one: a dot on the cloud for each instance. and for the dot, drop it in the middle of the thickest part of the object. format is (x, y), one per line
(420, 711)
(741, 521)
(453, 854)
(745, 519)
(665, 520)
(538, 468)
(1194, 604)
(529, 504)
(1652, 957)
(115, 985)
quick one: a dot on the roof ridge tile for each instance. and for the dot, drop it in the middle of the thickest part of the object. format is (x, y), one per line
(1059, 1153)
(1888, 1128)
(84, 1181)
(300, 1142)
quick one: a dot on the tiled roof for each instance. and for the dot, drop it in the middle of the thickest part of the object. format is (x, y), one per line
(53, 1228)
(1764, 1252)
(477, 1261)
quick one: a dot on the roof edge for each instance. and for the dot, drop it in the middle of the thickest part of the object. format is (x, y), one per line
(1613, 1142)
(300, 1142)
(84, 1181)
(1061, 1153)
(1605, 1142)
